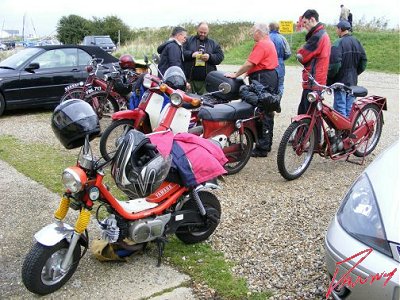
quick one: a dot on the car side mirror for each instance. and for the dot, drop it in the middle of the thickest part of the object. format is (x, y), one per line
(32, 66)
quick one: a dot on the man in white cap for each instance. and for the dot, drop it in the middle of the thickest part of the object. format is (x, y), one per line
(347, 61)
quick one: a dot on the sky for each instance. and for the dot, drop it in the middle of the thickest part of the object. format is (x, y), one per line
(42, 16)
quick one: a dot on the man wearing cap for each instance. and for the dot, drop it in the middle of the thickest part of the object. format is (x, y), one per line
(347, 61)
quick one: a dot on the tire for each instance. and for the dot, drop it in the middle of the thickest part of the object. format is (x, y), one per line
(371, 112)
(237, 160)
(112, 136)
(2, 104)
(104, 105)
(196, 234)
(292, 162)
(75, 93)
(36, 271)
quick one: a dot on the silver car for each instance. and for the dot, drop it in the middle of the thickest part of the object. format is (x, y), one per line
(362, 243)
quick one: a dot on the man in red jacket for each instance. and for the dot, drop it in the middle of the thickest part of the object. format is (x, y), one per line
(314, 55)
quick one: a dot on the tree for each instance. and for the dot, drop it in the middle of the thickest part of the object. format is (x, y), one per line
(72, 29)
(112, 24)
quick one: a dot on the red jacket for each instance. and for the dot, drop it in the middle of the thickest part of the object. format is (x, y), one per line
(315, 52)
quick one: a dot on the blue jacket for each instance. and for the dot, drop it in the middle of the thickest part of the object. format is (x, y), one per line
(282, 49)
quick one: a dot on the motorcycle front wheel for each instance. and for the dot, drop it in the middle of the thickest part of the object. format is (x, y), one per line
(368, 113)
(113, 136)
(294, 152)
(237, 153)
(195, 234)
(41, 270)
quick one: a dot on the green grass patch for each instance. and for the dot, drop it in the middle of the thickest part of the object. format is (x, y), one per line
(44, 164)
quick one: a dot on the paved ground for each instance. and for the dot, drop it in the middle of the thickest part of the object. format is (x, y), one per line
(271, 229)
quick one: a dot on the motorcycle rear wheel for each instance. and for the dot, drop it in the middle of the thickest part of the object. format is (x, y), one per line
(41, 268)
(238, 159)
(291, 163)
(196, 234)
(75, 93)
(371, 112)
(112, 136)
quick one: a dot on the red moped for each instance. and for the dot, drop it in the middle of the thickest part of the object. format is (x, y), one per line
(324, 131)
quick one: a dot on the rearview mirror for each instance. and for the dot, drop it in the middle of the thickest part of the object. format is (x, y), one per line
(32, 66)
(224, 88)
(156, 58)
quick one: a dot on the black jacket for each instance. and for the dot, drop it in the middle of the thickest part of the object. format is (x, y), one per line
(210, 47)
(347, 61)
(171, 55)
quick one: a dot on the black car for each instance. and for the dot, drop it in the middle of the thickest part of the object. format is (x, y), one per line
(37, 76)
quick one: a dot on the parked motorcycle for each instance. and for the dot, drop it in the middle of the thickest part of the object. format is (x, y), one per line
(111, 93)
(324, 131)
(158, 204)
(147, 115)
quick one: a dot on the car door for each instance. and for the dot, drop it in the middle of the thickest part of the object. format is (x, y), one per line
(57, 69)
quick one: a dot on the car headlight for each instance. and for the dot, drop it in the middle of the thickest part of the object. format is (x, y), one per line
(176, 99)
(74, 179)
(360, 217)
(312, 97)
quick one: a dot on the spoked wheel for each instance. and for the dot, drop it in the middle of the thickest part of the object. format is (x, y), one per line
(294, 152)
(41, 270)
(113, 136)
(196, 234)
(76, 93)
(368, 114)
(104, 106)
(238, 154)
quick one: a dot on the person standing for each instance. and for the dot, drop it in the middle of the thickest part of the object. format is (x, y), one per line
(314, 55)
(171, 52)
(344, 13)
(202, 55)
(261, 66)
(283, 51)
(347, 61)
(350, 20)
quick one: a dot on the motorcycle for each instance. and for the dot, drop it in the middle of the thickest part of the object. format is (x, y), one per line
(146, 116)
(192, 213)
(111, 93)
(324, 131)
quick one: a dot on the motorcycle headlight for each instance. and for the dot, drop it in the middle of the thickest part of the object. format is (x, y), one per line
(74, 179)
(360, 217)
(312, 97)
(176, 99)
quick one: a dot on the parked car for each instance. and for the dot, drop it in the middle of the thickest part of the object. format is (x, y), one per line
(37, 76)
(102, 41)
(367, 225)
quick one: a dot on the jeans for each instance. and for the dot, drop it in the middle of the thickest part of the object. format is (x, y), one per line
(342, 102)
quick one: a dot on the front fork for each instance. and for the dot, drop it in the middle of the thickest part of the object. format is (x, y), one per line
(80, 226)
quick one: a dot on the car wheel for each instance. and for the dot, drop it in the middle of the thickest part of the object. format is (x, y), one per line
(2, 104)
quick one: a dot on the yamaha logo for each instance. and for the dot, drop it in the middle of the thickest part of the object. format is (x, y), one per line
(165, 190)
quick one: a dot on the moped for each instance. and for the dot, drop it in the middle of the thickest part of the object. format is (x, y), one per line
(324, 131)
(190, 212)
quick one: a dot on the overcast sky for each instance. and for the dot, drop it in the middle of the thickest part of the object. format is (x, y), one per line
(43, 15)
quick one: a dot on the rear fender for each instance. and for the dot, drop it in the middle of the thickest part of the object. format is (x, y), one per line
(301, 117)
(128, 114)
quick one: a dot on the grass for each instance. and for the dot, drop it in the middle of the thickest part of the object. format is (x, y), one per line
(44, 164)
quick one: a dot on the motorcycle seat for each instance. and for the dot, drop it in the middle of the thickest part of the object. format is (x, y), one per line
(227, 112)
(359, 91)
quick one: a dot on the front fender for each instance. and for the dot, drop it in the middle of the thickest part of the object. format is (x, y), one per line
(300, 117)
(128, 114)
(54, 233)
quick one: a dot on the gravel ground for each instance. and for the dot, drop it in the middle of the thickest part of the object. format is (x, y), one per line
(273, 230)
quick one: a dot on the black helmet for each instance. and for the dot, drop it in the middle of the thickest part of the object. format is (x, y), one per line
(175, 78)
(138, 168)
(121, 87)
(72, 120)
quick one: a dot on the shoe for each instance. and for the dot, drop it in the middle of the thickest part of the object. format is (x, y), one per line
(259, 153)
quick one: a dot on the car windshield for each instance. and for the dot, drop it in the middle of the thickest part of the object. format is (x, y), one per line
(103, 40)
(14, 61)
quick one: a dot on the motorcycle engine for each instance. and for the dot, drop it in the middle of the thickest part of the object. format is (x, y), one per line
(148, 229)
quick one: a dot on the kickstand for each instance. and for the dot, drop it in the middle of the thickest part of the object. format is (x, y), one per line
(161, 241)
